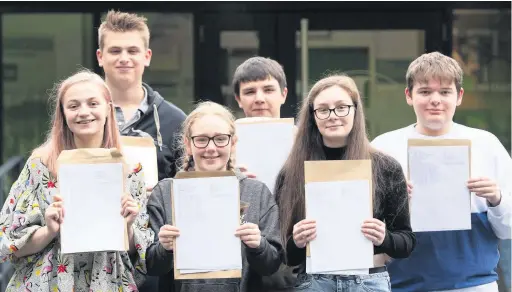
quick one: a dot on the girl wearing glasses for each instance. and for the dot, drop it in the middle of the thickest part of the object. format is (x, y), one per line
(207, 143)
(331, 126)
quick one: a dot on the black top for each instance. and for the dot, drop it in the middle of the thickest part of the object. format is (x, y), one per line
(333, 153)
(393, 209)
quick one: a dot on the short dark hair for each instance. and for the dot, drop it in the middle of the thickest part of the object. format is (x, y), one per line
(256, 69)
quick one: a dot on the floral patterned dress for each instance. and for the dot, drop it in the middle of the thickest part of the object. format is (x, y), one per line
(49, 270)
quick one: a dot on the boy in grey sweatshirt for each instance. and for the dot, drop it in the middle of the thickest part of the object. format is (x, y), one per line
(256, 262)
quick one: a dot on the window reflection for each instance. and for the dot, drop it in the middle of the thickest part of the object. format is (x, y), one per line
(481, 45)
(38, 50)
(377, 60)
(236, 47)
(171, 72)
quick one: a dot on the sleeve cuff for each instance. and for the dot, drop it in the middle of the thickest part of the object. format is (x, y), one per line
(385, 244)
(259, 249)
(502, 208)
(162, 250)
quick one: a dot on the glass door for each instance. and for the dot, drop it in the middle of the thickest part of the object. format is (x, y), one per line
(375, 52)
(374, 48)
(224, 42)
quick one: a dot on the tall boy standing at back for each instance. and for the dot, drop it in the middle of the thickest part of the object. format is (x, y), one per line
(461, 260)
(140, 111)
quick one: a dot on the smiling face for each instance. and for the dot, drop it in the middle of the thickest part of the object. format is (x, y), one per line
(124, 57)
(262, 98)
(337, 126)
(434, 103)
(85, 110)
(210, 143)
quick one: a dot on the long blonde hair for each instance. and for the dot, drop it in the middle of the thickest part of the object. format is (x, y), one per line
(60, 136)
(186, 162)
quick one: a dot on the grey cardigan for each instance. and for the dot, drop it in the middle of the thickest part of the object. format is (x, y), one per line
(256, 263)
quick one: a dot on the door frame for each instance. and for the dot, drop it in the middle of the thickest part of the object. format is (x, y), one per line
(208, 64)
(277, 33)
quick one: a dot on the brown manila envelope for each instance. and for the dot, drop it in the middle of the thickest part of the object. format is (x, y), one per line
(339, 170)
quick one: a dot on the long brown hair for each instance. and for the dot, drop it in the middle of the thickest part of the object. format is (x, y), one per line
(308, 146)
(60, 136)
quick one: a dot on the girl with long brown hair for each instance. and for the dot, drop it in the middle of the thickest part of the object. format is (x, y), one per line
(331, 126)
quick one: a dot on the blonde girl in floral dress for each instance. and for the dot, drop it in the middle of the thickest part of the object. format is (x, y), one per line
(29, 221)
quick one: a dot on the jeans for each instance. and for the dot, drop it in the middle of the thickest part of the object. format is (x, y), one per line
(378, 282)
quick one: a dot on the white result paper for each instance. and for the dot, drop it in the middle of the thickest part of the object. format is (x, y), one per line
(264, 148)
(207, 215)
(91, 195)
(339, 208)
(440, 199)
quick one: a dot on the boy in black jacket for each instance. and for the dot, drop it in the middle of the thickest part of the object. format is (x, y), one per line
(140, 111)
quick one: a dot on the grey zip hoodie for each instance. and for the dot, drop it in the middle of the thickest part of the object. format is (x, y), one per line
(256, 263)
